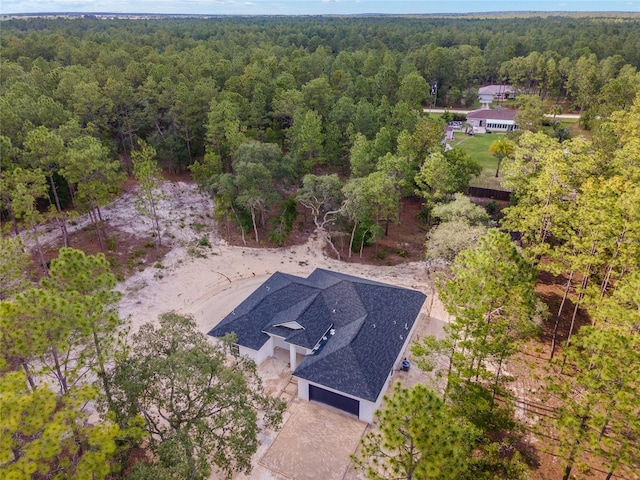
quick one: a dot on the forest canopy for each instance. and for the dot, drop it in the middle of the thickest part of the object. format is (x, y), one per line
(234, 97)
(278, 115)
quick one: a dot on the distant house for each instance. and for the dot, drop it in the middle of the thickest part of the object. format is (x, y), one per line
(495, 93)
(486, 120)
(350, 331)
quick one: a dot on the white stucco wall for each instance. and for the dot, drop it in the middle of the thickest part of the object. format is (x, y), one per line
(248, 352)
(367, 410)
(303, 389)
(261, 355)
(278, 342)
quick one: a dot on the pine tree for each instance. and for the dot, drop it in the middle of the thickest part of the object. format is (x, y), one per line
(491, 296)
(43, 435)
(148, 175)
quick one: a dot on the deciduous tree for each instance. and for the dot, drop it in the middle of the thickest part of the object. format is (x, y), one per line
(200, 404)
(255, 190)
(322, 195)
(443, 174)
(530, 112)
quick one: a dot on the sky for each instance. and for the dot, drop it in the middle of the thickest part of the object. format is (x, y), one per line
(313, 7)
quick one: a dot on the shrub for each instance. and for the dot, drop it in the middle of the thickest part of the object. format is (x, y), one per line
(277, 238)
(491, 207)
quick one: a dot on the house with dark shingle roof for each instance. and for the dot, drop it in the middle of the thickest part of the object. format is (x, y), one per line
(350, 331)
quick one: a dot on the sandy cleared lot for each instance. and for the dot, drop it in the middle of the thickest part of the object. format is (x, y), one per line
(315, 441)
(209, 288)
(209, 282)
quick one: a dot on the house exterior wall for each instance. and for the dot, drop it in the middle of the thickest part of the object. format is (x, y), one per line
(367, 410)
(261, 355)
(248, 352)
(303, 389)
(496, 94)
(278, 342)
(481, 125)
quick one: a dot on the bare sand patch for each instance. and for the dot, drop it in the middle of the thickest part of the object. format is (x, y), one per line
(209, 288)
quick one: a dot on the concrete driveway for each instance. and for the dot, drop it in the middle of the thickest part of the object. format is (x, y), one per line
(315, 443)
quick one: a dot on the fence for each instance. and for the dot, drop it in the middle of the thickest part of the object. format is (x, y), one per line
(490, 193)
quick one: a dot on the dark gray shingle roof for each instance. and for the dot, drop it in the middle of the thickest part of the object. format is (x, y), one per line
(371, 321)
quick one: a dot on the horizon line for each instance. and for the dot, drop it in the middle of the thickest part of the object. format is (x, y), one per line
(496, 12)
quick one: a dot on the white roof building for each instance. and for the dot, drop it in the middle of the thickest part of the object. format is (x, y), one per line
(495, 93)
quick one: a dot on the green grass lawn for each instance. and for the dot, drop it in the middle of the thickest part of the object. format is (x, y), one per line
(573, 125)
(478, 147)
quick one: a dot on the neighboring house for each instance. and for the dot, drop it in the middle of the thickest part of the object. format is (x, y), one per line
(495, 93)
(350, 331)
(487, 120)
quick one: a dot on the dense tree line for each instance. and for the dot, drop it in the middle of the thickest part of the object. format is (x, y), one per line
(77, 395)
(304, 93)
(576, 209)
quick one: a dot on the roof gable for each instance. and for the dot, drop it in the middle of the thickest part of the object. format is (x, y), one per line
(315, 318)
(290, 325)
(273, 299)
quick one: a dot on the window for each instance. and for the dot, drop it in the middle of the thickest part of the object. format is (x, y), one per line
(293, 325)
